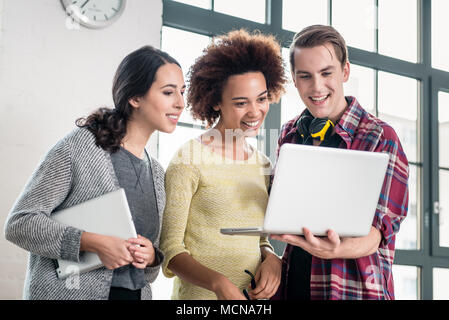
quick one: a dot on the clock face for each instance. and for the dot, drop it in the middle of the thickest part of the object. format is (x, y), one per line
(94, 13)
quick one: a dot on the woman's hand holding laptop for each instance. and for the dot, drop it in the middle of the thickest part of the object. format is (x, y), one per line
(115, 252)
(112, 251)
(142, 251)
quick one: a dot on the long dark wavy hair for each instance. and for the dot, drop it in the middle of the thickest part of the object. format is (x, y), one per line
(133, 78)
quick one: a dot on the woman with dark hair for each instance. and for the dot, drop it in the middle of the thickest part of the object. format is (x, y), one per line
(106, 152)
(218, 180)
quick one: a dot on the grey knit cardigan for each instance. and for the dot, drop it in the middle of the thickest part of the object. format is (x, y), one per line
(73, 171)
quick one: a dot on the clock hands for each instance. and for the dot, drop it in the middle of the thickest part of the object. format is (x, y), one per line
(82, 6)
(94, 14)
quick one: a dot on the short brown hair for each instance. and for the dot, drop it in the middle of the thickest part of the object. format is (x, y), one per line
(317, 35)
(235, 53)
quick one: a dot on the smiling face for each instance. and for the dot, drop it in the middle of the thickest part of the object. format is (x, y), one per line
(319, 76)
(244, 104)
(162, 105)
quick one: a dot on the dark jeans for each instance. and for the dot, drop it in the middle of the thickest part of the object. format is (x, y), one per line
(298, 283)
(124, 294)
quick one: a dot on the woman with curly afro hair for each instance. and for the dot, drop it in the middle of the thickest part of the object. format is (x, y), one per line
(218, 180)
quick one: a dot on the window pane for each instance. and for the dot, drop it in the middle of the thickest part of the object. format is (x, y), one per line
(291, 103)
(405, 282)
(162, 287)
(444, 208)
(443, 127)
(398, 106)
(399, 40)
(440, 25)
(298, 14)
(407, 238)
(205, 4)
(253, 142)
(443, 132)
(185, 47)
(361, 85)
(169, 143)
(253, 10)
(359, 28)
(440, 284)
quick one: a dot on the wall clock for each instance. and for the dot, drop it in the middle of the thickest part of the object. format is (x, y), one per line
(94, 13)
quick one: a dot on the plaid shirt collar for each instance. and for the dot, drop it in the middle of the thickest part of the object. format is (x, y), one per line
(349, 121)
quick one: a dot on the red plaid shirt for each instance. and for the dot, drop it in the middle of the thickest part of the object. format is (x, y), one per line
(368, 277)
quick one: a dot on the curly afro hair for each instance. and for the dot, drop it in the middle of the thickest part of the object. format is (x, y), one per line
(235, 53)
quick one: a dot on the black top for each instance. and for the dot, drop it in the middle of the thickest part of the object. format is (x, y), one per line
(298, 278)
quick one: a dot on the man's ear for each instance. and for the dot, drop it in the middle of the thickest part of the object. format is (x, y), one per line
(293, 78)
(134, 102)
(346, 71)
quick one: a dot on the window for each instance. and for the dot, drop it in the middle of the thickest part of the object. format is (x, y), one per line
(170, 143)
(297, 14)
(362, 84)
(440, 25)
(398, 106)
(205, 4)
(250, 10)
(443, 127)
(358, 28)
(406, 282)
(291, 104)
(440, 281)
(409, 236)
(397, 74)
(443, 122)
(399, 37)
(444, 202)
(185, 47)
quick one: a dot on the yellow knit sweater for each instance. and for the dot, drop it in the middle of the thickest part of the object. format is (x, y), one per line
(206, 192)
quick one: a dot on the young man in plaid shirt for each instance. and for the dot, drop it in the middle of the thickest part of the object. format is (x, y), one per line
(332, 267)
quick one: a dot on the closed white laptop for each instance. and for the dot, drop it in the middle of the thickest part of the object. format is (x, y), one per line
(322, 188)
(108, 215)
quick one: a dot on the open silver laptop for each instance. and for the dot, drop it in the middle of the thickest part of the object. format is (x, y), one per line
(322, 188)
(108, 215)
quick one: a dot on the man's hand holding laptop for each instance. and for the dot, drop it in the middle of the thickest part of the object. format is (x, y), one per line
(332, 246)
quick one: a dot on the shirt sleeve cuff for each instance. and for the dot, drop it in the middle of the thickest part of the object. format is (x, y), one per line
(159, 258)
(168, 256)
(264, 242)
(70, 245)
(382, 222)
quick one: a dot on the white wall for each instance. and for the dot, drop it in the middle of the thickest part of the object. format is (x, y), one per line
(49, 76)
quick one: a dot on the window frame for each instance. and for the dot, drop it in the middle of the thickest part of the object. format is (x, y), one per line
(439, 84)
